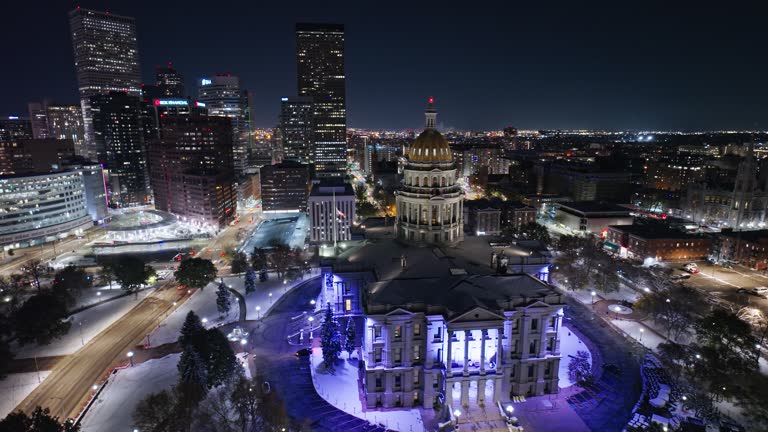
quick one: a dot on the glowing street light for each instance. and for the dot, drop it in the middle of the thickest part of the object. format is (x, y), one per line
(510, 409)
(205, 320)
(312, 302)
(641, 334)
(258, 311)
(593, 297)
(457, 414)
(130, 357)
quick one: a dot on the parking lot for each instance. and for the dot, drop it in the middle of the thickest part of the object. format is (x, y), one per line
(291, 230)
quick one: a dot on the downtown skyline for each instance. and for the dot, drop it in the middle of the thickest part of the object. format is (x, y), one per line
(648, 69)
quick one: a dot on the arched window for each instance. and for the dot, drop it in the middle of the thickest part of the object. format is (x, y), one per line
(425, 183)
(442, 181)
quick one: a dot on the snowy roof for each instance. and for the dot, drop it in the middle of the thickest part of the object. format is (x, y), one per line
(452, 295)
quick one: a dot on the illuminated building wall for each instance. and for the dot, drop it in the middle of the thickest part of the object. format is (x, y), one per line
(106, 59)
(320, 63)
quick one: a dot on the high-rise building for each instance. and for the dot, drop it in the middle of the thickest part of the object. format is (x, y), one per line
(297, 128)
(320, 63)
(169, 81)
(284, 187)
(191, 169)
(223, 97)
(106, 59)
(13, 128)
(119, 146)
(58, 121)
(38, 120)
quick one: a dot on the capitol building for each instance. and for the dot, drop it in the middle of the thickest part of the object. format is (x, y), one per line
(430, 201)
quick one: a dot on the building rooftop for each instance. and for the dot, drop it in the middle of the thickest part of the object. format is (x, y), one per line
(454, 295)
(594, 207)
(654, 231)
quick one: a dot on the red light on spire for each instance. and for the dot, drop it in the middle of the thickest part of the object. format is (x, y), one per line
(157, 102)
(431, 100)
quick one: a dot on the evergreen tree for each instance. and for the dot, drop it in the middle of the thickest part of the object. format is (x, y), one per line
(263, 276)
(222, 363)
(192, 368)
(330, 339)
(349, 340)
(192, 331)
(222, 299)
(250, 280)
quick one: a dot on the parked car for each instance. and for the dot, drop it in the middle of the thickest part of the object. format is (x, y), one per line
(680, 276)
(304, 352)
(760, 291)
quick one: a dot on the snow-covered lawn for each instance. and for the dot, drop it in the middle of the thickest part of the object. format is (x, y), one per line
(203, 302)
(341, 390)
(569, 345)
(91, 321)
(114, 407)
(261, 297)
(16, 387)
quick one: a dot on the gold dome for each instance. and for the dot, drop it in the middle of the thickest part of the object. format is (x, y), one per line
(430, 146)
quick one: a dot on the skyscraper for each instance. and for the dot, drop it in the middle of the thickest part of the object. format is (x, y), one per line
(106, 59)
(320, 63)
(297, 129)
(191, 169)
(59, 121)
(222, 96)
(169, 81)
(119, 146)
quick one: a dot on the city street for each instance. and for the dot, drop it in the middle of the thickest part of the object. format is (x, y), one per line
(66, 389)
(725, 284)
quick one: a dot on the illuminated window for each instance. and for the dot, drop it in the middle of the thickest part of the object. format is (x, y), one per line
(348, 305)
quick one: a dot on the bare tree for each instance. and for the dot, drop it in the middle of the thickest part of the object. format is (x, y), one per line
(33, 270)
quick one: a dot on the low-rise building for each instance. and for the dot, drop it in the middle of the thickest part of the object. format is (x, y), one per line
(284, 187)
(657, 241)
(591, 216)
(331, 212)
(38, 208)
(749, 248)
(482, 217)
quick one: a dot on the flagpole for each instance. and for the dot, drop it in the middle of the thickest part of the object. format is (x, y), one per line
(335, 215)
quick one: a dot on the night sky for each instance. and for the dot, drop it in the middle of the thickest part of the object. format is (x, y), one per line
(565, 65)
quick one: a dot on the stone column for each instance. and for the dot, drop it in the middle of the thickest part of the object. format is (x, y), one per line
(481, 391)
(448, 369)
(465, 393)
(499, 350)
(483, 332)
(496, 389)
(466, 352)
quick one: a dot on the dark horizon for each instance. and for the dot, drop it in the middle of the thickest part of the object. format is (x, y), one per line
(655, 67)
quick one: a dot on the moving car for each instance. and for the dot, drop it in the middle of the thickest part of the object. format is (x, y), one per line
(680, 277)
(760, 291)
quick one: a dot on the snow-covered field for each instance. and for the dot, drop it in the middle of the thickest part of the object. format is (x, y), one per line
(569, 345)
(341, 390)
(89, 323)
(203, 302)
(16, 387)
(114, 407)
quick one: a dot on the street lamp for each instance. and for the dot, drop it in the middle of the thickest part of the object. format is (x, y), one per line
(270, 298)
(312, 302)
(593, 297)
(242, 343)
(641, 334)
(205, 320)
(457, 414)
(510, 409)
(258, 311)
(130, 357)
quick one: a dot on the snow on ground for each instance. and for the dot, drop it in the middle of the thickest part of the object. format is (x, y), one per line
(16, 387)
(114, 407)
(203, 302)
(341, 390)
(87, 323)
(261, 297)
(569, 345)
(649, 338)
